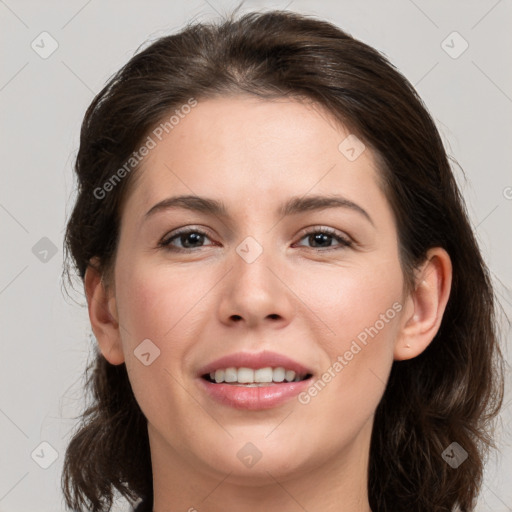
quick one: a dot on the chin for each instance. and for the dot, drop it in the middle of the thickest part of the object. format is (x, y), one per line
(257, 463)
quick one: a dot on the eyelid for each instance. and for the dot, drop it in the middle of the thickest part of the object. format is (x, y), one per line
(326, 229)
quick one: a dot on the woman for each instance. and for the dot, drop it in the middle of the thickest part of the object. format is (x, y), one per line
(290, 306)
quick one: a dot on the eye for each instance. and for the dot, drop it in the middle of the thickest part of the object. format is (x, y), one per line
(191, 238)
(323, 238)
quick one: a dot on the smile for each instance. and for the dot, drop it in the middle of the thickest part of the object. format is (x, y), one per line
(254, 377)
(254, 381)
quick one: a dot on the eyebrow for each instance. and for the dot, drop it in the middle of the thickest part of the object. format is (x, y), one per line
(293, 206)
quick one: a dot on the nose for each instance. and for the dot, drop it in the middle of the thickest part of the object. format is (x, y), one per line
(255, 293)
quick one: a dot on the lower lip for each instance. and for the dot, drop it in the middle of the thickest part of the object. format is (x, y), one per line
(254, 398)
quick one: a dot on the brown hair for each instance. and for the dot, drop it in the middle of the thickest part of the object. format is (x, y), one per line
(449, 393)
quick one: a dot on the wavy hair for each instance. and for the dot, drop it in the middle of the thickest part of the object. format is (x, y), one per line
(450, 393)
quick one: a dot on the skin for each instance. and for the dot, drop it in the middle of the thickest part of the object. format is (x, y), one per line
(305, 300)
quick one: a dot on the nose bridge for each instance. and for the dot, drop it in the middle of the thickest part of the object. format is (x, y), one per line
(251, 267)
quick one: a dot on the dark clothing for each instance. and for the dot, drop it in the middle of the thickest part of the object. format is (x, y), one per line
(144, 506)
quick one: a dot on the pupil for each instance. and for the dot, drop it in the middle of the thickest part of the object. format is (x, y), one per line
(319, 238)
(193, 237)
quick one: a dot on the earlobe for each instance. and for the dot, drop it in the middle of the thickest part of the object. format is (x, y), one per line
(103, 316)
(425, 306)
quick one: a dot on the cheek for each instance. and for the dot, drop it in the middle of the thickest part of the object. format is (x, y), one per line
(154, 302)
(350, 298)
(154, 307)
(141, 308)
(163, 305)
(361, 306)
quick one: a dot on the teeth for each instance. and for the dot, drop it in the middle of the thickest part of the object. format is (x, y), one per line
(289, 375)
(245, 375)
(279, 374)
(219, 376)
(231, 375)
(253, 378)
(263, 375)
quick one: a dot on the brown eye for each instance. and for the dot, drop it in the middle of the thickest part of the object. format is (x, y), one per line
(323, 238)
(188, 239)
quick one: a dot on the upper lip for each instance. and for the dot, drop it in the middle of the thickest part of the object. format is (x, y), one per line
(255, 360)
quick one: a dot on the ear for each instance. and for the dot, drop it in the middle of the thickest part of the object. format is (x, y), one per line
(425, 305)
(103, 315)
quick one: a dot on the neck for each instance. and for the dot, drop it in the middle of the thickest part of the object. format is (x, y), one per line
(338, 484)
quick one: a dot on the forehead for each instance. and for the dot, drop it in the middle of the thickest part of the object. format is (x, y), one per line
(246, 147)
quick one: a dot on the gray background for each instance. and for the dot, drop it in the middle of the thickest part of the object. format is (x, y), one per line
(45, 335)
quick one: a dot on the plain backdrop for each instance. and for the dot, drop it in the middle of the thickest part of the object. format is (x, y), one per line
(456, 53)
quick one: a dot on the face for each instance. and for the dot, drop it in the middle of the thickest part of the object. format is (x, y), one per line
(278, 284)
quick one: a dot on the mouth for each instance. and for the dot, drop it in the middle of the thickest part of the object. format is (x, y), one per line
(250, 377)
(254, 381)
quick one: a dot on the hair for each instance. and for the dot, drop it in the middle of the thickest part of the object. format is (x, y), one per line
(452, 392)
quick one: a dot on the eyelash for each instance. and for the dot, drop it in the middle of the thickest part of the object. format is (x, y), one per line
(343, 242)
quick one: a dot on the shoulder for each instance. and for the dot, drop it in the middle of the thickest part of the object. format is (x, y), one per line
(143, 506)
